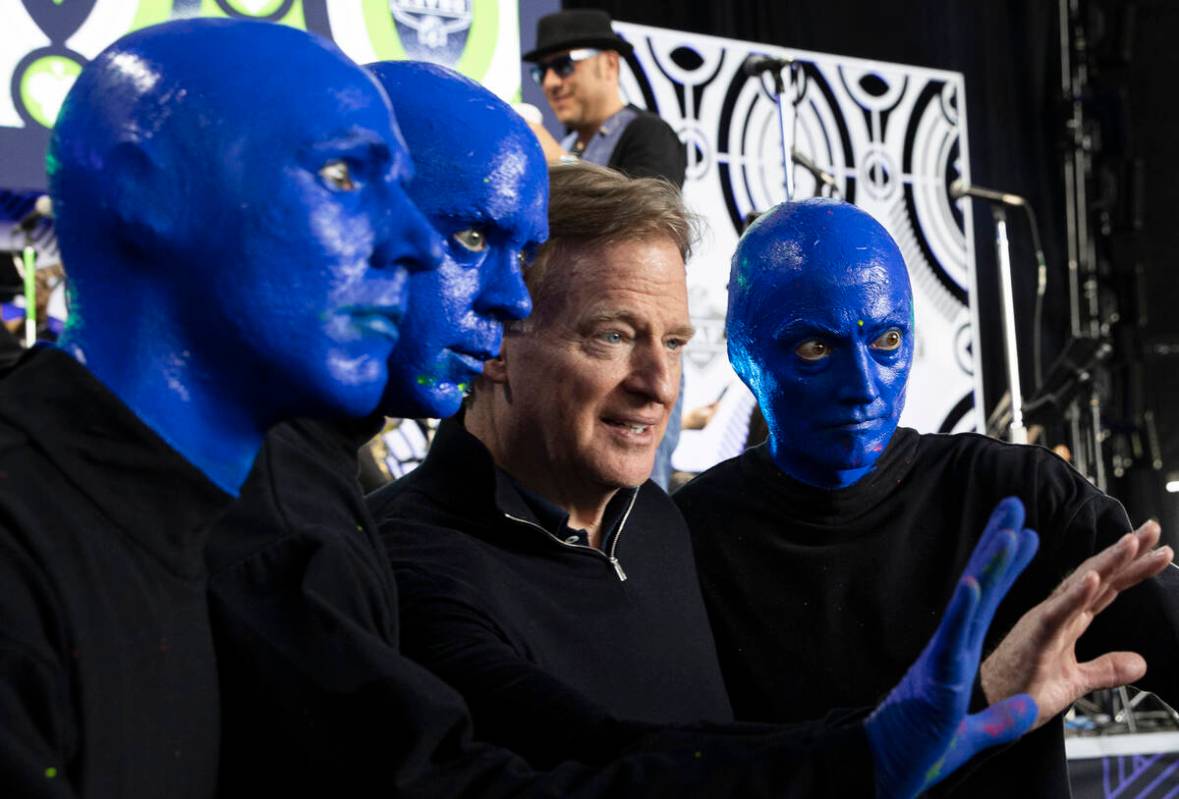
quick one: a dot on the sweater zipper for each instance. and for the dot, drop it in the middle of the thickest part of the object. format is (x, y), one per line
(618, 537)
(611, 558)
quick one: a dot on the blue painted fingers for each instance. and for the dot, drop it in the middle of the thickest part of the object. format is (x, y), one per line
(921, 733)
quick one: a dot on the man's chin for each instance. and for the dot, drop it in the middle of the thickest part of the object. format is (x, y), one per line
(623, 476)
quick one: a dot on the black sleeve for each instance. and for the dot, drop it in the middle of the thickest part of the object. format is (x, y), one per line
(1079, 521)
(317, 698)
(1144, 619)
(649, 148)
(37, 733)
(518, 705)
(514, 703)
(314, 701)
(10, 350)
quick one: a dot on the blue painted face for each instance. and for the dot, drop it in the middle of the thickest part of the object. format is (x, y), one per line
(482, 182)
(820, 328)
(232, 199)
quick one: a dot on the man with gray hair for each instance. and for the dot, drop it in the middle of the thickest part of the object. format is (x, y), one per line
(550, 461)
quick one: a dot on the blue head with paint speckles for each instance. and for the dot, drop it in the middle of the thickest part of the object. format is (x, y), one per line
(482, 181)
(231, 203)
(820, 328)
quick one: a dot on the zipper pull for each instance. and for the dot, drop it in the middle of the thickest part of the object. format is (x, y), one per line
(618, 568)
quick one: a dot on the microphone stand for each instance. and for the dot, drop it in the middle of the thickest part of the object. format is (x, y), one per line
(824, 178)
(999, 201)
(786, 119)
(1017, 432)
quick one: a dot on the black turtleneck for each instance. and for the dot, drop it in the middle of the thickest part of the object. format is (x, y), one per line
(108, 686)
(823, 598)
(544, 635)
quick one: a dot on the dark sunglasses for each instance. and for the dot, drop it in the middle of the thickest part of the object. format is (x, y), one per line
(563, 65)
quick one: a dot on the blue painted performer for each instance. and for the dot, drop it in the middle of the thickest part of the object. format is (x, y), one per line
(844, 531)
(487, 196)
(298, 707)
(238, 253)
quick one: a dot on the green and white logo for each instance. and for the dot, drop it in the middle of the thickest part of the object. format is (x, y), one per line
(436, 23)
(287, 12)
(44, 85)
(255, 8)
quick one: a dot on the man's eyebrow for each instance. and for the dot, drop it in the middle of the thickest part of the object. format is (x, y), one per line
(605, 317)
(612, 316)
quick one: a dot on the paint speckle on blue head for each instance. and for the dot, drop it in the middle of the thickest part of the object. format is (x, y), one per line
(231, 196)
(820, 327)
(482, 182)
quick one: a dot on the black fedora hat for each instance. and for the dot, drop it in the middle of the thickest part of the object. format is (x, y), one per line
(568, 30)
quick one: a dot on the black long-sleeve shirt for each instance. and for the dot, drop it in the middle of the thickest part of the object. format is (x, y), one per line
(822, 599)
(108, 686)
(318, 697)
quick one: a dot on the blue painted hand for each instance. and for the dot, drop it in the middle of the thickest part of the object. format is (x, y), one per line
(921, 733)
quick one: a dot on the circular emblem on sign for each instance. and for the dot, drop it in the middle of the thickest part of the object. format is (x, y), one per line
(43, 84)
(933, 149)
(273, 10)
(699, 153)
(964, 348)
(749, 144)
(879, 173)
(433, 31)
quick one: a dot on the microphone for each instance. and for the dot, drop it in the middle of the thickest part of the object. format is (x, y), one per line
(820, 174)
(42, 209)
(960, 188)
(755, 65)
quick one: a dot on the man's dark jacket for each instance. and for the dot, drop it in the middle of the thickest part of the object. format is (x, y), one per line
(531, 628)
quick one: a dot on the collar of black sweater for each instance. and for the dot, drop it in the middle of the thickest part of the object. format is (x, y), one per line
(835, 506)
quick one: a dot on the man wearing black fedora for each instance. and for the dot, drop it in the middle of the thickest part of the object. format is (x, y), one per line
(576, 63)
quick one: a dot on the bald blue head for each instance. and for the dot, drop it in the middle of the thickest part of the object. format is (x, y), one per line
(482, 182)
(231, 203)
(820, 327)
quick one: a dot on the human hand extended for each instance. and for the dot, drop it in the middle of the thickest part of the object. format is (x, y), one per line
(1038, 657)
(921, 732)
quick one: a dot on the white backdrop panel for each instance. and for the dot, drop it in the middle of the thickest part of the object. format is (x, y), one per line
(894, 139)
